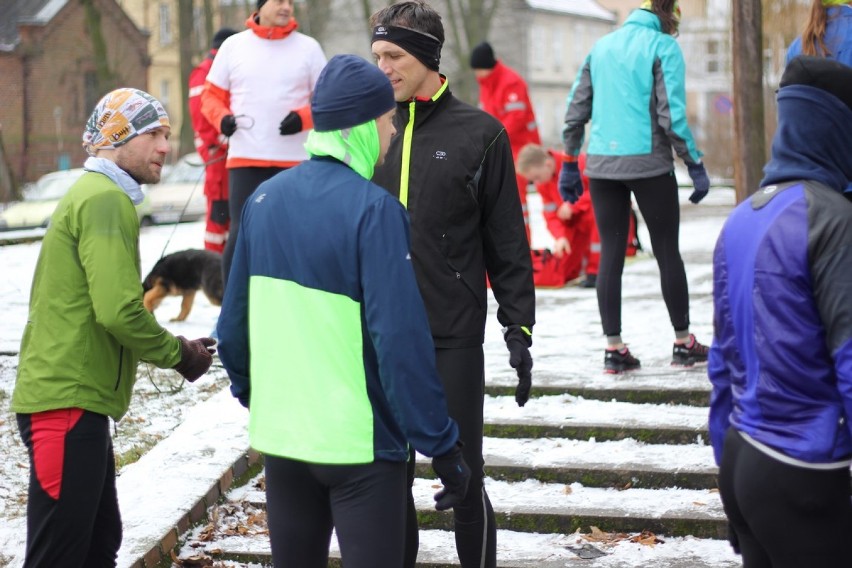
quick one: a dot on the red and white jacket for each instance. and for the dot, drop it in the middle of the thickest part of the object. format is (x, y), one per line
(503, 94)
(260, 75)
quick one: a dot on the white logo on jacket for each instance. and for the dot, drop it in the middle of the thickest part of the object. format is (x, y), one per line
(440, 155)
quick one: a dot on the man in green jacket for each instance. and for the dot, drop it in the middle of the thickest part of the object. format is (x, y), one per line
(87, 330)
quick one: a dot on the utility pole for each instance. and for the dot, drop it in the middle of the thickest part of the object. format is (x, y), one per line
(749, 127)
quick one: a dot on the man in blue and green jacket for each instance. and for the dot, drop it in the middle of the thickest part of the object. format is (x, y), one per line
(325, 338)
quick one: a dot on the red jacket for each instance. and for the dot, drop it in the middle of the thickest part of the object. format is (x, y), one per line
(503, 94)
(551, 200)
(212, 146)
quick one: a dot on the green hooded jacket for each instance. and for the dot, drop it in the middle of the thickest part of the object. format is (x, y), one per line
(87, 328)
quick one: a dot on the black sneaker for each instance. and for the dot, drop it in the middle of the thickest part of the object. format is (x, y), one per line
(689, 353)
(591, 281)
(618, 361)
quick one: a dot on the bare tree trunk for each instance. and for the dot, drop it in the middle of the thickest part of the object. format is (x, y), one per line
(8, 188)
(208, 25)
(749, 141)
(185, 141)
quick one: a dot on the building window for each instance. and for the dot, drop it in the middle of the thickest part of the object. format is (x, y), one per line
(165, 24)
(164, 92)
(557, 49)
(539, 47)
(91, 94)
(715, 56)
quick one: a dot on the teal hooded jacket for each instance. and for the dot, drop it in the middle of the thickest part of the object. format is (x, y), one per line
(631, 86)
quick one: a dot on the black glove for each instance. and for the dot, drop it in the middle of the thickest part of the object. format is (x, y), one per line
(196, 356)
(700, 181)
(292, 124)
(518, 343)
(219, 211)
(228, 125)
(570, 183)
(454, 474)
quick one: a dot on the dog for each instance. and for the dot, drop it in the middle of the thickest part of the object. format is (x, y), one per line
(183, 274)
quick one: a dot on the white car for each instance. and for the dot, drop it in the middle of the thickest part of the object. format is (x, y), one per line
(40, 200)
(180, 194)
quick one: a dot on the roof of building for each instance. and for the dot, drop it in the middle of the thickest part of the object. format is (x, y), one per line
(584, 8)
(17, 12)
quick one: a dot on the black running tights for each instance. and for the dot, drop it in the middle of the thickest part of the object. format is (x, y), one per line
(364, 503)
(657, 199)
(463, 377)
(784, 516)
(241, 184)
(73, 519)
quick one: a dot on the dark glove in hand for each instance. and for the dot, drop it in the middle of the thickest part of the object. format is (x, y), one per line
(570, 183)
(228, 125)
(219, 211)
(292, 124)
(518, 343)
(454, 474)
(196, 356)
(700, 181)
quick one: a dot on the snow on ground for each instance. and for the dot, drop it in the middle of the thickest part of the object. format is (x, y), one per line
(567, 343)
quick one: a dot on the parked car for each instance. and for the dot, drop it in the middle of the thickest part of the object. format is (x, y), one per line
(180, 194)
(40, 200)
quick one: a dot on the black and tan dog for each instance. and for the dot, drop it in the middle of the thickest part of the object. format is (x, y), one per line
(183, 274)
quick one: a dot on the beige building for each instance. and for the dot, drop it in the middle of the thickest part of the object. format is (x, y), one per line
(159, 18)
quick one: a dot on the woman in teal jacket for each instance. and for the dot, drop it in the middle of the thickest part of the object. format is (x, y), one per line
(631, 86)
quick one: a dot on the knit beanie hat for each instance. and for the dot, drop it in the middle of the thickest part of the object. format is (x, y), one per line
(482, 57)
(349, 91)
(121, 116)
(822, 73)
(221, 36)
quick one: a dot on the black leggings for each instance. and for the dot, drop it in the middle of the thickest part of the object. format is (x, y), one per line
(784, 516)
(241, 184)
(463, 377)
(73, 519)
(364, 503)
(658, 201)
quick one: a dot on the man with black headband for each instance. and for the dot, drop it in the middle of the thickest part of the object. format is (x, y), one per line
(451, 166)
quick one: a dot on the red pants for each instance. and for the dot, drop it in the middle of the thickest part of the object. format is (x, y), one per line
(215, 234)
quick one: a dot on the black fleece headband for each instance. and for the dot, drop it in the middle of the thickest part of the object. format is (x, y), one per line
(426, 48)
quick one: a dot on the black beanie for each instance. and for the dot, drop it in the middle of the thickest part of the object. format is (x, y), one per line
(349, 91)
(221, 36)
(821, 73)
(482, 57)
(260, 3)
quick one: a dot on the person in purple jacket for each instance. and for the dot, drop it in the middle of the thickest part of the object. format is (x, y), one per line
(781, 359)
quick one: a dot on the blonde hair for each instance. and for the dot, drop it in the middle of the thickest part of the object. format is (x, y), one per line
(813, 36)
(530, 156)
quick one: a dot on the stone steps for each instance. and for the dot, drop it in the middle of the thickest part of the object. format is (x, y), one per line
(537, 524)
(617, 464)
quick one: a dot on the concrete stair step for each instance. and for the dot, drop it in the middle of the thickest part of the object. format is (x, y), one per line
(674, 385)
(567, 416)
(533, 506)
(619, 464)
(238, 533)
(514, 550)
